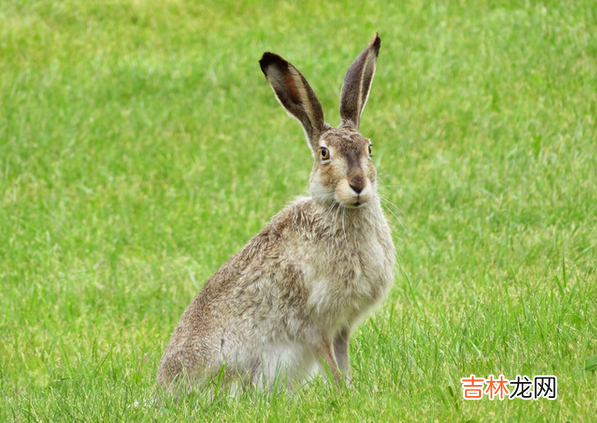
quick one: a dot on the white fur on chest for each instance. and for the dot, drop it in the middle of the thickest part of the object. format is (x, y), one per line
(342, 295)
(349, 276)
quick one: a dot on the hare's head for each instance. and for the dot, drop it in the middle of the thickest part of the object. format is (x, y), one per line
(342, 169)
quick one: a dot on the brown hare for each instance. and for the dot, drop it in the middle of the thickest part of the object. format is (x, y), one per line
(286, 303)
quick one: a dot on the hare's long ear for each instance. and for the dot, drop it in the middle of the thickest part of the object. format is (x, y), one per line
(357, 83)
(295, 95)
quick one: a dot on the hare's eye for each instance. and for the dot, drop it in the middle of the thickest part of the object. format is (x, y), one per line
(325, 153)
(370, 150)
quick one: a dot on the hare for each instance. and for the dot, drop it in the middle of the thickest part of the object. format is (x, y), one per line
(286, 303)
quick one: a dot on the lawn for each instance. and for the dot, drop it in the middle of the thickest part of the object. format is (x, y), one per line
(141, 146)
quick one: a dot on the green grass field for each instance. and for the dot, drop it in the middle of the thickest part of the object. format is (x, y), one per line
(140, 147)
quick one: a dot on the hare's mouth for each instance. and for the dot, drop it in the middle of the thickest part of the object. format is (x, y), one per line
(353, 201)
(355, 205)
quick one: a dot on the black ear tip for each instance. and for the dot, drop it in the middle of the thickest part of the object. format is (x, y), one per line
(376, 42)
(269, 59)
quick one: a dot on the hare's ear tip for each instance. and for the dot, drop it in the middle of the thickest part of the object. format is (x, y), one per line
(269, 59)
(375, 42)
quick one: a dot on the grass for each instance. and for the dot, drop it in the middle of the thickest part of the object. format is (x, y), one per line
(140, 147)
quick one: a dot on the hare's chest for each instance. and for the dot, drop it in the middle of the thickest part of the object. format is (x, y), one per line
(347, 282)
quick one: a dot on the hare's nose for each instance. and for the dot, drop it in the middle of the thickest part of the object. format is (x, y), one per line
(357, 188)
(357, 184)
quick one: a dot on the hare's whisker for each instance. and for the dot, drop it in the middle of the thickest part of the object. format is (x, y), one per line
(330, 210)
(397, 218)
(343, 227)
(397, 208)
